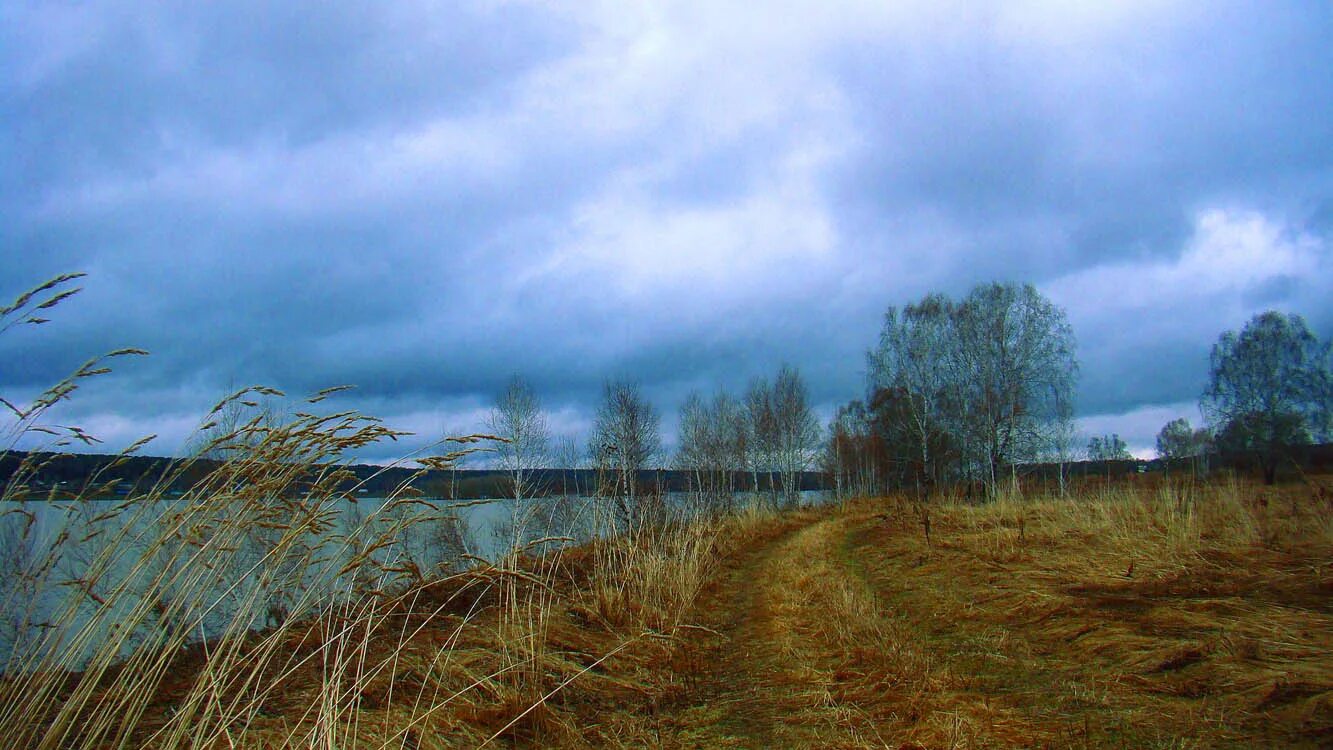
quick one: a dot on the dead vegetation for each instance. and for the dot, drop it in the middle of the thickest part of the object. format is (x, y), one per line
(1167, 614)
(1171, 615)
(1152, 615)
(263, 607)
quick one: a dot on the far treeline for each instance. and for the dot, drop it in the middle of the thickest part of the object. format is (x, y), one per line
(982, 389)
(975, 391)
(66, 475)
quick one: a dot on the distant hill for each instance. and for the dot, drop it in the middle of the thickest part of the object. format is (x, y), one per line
(70, 473)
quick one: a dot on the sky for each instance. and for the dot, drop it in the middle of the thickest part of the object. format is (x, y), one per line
(424, 199)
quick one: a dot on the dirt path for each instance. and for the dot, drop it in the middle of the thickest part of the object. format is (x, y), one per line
(851, 630)
(765, 671)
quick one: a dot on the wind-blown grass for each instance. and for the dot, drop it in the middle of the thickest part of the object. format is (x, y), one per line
(253, 601)
(252, 574)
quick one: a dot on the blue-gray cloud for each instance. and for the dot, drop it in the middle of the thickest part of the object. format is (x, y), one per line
(424, 199)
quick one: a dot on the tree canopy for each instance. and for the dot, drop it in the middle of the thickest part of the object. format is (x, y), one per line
(1269, 388)
(1178, 439)
(965, 388)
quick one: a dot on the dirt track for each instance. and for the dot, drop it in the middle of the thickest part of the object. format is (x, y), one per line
(763, 670)
(851, 631)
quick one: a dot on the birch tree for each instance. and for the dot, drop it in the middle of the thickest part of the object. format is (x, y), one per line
(760, 429)
(626, 436)
(1016, 368)
(1108, 448)
(518, 420)
(692, 451)
(712, 447)
(916, 361)
(963, 389)
(1179, 441)
(795, 430)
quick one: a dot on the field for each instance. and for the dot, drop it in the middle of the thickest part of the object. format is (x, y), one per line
(1144, 614)
(1134, 617)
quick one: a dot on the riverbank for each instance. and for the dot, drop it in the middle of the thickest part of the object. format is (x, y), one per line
(1176, 615)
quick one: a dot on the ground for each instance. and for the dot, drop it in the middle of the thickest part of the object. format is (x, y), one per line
(1134, 616)
(853, 630)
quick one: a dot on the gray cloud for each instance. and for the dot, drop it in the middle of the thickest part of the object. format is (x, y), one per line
(427, 198)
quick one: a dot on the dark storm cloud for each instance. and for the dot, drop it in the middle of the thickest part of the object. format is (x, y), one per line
(425, 199)
(120, 87)
(1105, 151)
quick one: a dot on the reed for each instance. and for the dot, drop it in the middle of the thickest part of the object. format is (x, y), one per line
(246, 597)
(172, 617)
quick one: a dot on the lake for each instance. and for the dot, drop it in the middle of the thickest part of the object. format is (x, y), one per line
(75, 575)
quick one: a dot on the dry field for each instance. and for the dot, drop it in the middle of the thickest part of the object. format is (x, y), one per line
(1136, 616)
(1141, 616)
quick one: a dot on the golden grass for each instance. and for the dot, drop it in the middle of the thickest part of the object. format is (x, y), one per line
(1020, 624)
(246, 610)
(485, 655)
(1161, 615)
(1146, 614)
(246, 579)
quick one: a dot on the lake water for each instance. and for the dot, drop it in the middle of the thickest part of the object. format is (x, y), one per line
(77, 575)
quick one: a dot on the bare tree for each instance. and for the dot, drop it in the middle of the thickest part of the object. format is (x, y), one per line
(856, 451)
(244, 420)
(917, 360)
(625, 438)
(959, 389)
(1062, 435)
(567, 509)
(569, 460)
(692, 452)
(518, 420)
(1179, 441)
(711, 449)
(730, 434)
(448, 542)
(1108, 448)
(795, 430)
(1016, 356)
(761, 431)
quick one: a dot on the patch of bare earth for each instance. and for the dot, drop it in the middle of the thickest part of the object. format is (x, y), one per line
(775, 632)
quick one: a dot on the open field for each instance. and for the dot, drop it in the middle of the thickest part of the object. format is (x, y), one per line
(1160, 618)
(1168, 615)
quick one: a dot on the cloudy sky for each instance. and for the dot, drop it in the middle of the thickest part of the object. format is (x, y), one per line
(425, 198)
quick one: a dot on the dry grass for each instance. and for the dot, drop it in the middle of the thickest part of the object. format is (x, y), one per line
(248, 579)
(1160, 615)
(244, 613)
(1019, 624)
(384, 655)
(249, 610)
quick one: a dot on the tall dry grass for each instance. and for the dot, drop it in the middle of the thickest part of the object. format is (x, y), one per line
(254, 601)
(249, 573)
(1168, 522)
